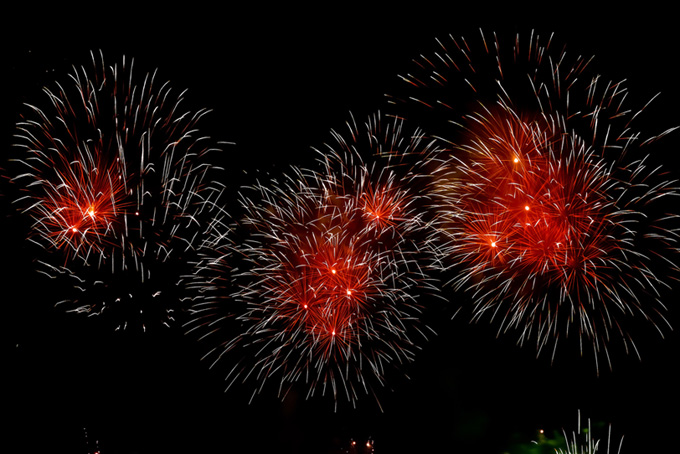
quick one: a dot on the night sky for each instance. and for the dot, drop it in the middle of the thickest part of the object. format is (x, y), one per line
(277, 84)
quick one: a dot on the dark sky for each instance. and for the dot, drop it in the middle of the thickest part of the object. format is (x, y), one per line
(277, 82)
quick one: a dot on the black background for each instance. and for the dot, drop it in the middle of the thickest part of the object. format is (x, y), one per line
(277, 80)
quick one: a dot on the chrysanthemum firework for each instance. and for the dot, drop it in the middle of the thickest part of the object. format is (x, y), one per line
(116, 177)
(555, 217)
(327, 272)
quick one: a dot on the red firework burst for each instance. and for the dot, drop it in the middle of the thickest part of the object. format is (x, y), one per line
(544, 201)
(327, 271)
(114, 189)
(540, 214)
(81, 206)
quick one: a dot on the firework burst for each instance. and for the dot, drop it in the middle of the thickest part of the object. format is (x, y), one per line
(555, 217)
(116, 179)
(324, 283)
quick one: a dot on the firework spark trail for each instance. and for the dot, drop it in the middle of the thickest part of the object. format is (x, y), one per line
(322, 275)
(552, 209)
(583, 441)
(116, 181)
